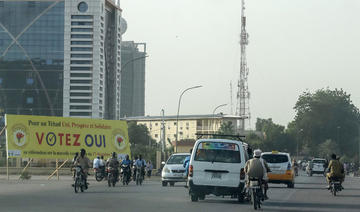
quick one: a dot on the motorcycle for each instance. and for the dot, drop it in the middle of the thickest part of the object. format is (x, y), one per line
(296, 170)
(256, 193)
(80, 183)
(139, 175)
(335, 187)
(112, 176)
(125, 174)
(100, 173)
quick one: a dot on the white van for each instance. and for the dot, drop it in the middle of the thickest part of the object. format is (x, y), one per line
(217, 167)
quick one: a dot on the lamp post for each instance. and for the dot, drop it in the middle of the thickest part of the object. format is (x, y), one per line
(214, 113)
(177, 115)
(297, 144)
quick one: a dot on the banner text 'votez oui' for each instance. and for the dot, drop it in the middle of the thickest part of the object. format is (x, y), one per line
(68, 139)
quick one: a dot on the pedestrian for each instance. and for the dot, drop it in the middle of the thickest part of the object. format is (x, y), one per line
(149, 168)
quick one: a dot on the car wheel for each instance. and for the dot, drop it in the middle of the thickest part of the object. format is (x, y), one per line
(172, 183)
(194, 198)
(164, 183)
(291, 185)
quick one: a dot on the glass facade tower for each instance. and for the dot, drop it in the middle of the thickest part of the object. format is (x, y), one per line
(31, 57)
(60, 58)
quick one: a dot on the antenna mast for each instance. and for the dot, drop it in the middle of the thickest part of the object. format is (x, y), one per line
(231, 99)
(243, 94)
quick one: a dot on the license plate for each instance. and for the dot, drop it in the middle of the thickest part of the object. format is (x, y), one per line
(216, 175)
(254, 183)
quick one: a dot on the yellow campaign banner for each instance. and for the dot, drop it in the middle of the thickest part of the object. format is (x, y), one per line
(60, 138)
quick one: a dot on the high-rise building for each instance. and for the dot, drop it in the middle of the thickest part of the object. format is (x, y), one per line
(133, 57)
(60, 57)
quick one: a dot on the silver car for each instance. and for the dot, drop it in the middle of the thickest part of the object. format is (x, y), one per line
(174, 170)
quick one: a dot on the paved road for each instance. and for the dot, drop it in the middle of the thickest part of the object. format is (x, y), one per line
(39, 194)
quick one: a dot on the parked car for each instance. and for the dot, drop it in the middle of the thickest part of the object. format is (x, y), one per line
(316, 166)
(281, 168)
(174, 171)
(217, 167)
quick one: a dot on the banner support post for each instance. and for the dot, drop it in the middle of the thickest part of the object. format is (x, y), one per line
(27, 165)
(57, 169)
(57, 165)
(7, 168)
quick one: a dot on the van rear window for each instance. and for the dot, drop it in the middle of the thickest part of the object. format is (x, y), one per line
(270, 158)
(218, 152)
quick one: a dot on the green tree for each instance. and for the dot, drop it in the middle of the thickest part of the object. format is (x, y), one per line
(327, 115)
(141, 142)
(226, 128)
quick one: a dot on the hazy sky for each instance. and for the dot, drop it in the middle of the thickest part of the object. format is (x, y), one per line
(294, 46)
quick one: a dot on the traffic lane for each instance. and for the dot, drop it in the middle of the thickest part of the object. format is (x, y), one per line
(310, 194)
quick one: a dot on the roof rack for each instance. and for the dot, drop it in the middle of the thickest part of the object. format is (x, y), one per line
(238, 137)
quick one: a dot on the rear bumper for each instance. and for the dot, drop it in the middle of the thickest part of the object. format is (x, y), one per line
(281, 178)
(216, 190)
(173, 179)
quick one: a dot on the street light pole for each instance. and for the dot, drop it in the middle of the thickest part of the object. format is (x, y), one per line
(177, 115)
(214, 113)
(297, 145)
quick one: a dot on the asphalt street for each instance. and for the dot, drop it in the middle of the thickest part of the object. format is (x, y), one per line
(39, 194)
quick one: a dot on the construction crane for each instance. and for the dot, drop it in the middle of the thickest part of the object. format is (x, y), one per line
(243, 94)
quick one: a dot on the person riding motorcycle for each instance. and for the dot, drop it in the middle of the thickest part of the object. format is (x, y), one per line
(140, 164)
(127, 162)
(85, 164)
(257, 168)
(113, 164)
(336, 171)
(296, 167)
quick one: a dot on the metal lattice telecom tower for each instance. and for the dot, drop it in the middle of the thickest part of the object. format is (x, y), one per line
(243, 94)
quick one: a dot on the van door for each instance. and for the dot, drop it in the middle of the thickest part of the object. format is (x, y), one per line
(217, 163)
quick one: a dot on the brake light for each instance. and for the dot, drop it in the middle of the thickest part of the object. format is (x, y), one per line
(289, 166)
(191, 170)
(242, 174)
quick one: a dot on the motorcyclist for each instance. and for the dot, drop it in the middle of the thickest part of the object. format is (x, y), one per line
(134, 167)
(140, 164)
(186, 165)
(113, 163)
(336, 171)
(257, 168)
(296, 166)
(73, 163)
(85, 164)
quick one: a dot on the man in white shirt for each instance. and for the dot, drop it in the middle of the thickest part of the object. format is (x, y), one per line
(96, 162)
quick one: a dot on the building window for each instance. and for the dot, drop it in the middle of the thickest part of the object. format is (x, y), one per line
(80, 75)
(80, 113)
(83, 7)
(81, 62)
(81, 17)
(81, 29)
(1, 3)
(156, 124)
(80, 100)
(81, 55)
(81, 49)
(156, 135)
(81, 42)
(31, 4)
(81, 23)
(80, 107)
(174, 123)
(168, 127)
(29, 100)
(1, 80)
(80, 94)
(81, 36)
(80, 81)
(80, 68)
(29, 81)
(80, 87)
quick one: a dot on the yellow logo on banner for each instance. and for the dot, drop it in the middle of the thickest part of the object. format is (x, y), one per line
(61, 138)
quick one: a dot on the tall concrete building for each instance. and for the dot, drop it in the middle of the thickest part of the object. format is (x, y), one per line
(133, 57)
(60, 57)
